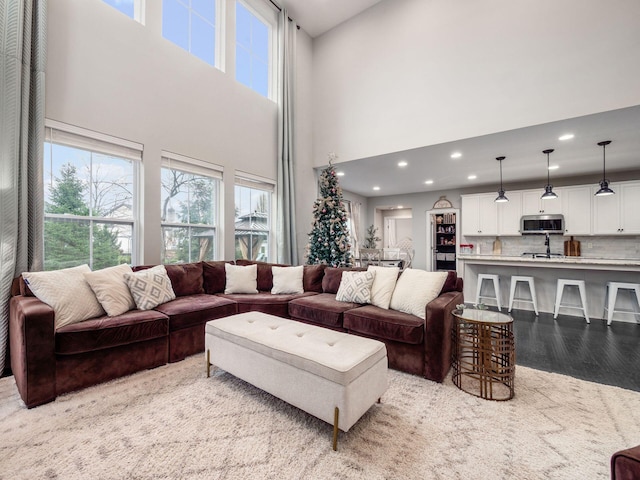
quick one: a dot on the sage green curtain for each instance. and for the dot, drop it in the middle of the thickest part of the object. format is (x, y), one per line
(286, 195)
(23, 53)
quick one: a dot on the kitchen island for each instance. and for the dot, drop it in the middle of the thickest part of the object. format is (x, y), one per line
(596, 272)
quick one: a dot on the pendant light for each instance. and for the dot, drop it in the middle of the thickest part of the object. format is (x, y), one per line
(501, 197)
(548, 188)
(604, 183)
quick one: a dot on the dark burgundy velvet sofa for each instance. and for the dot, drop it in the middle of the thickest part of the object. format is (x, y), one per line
(47, 363)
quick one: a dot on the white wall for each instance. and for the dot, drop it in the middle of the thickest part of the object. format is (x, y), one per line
(113, 75)
(410, 73)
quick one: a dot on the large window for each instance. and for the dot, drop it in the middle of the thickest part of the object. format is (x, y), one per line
(90, 198)
(192, 25)
(189, 209)
(254, 46)
(253, 218)
(131, 8)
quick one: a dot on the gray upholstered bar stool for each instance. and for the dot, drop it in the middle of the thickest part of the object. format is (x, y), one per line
(495, 279)
(532, 290)
(563, 282)
(612, 295)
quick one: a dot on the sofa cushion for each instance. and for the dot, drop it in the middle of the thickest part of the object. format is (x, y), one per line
(416, 288)
(321, 309)
(67, 292)
(312, 278)
(150, 287)
(186, 278)
(265, 275)
(196, 309)
(333, 277)
(287, 280)
(265, 302)
(111, 289)
(377, 322)
(107, 332)
(214, 277)
(241, 278)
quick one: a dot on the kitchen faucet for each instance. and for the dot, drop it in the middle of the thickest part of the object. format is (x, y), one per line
(546, 242)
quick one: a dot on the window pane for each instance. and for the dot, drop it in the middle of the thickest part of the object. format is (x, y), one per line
(243, 66)
(252, 226)
(252, 50)
(260, 73)
(202, 244)
(175, 23)
(206, 9)
(106, 247)
(260, 39)
(175, 245)
(203, 39)
(112, 187)
(125, 6)
(243, 26)
(66, 243)
(66, 178)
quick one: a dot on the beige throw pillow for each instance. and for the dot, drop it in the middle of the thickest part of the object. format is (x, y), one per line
(241, 279)
(287, 279)
(416, 288)
(111, 289)
(67, 292)
(383, 285)
(150, 287)
(355, 287)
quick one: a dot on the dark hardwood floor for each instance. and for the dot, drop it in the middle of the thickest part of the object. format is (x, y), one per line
(570, 346)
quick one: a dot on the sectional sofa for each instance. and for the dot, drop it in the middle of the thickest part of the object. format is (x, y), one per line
(47, 362)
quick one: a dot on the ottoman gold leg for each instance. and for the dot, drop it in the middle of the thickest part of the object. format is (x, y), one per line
(208, 363)
(336, 415)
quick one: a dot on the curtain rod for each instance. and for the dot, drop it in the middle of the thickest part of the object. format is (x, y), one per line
(280, 8)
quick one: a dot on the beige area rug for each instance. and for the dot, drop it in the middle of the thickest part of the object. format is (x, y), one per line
(173, 422)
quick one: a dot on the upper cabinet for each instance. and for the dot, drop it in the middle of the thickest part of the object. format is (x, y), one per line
(617, 214)
(509, 214)
(479, 215)
(532, 204)
(576, 208)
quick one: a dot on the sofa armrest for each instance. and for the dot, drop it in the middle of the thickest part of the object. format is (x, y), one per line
(33, 358)
(625, 464)
(438, 339)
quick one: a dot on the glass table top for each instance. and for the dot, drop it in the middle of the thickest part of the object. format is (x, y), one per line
(482, 316)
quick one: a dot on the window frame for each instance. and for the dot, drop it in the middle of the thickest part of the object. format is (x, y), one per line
(138, 10)
(255, 182)
(93, 142)
(182, 163)
(267, 14)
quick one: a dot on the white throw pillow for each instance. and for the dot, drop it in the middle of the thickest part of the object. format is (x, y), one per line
(383, 285)
(111, 289)
(67, 292)
(355, 287)
(150, 287)
(241, 279)
(287, 279)
(416, 288)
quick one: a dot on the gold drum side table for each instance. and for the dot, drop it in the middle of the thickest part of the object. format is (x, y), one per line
(484, 357)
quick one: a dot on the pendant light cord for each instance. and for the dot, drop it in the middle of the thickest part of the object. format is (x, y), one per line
(604, 160)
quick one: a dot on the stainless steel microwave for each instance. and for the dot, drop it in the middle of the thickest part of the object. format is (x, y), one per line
(542, 224)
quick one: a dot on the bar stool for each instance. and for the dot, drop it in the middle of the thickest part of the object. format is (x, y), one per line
(612, 295)
(532, 290)
(496, 287)
(563, 282)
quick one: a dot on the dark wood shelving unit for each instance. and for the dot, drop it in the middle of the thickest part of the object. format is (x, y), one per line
(445, 241)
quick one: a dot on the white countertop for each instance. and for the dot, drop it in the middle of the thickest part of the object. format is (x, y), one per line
(567, 262)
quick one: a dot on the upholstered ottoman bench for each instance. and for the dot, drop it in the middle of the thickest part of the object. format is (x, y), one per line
(331, 375)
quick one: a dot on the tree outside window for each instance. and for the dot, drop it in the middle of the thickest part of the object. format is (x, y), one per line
(253, 223)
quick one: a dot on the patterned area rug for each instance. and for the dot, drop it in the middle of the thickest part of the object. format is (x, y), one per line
(173, 422)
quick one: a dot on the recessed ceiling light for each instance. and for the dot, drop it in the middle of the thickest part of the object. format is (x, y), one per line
(566, 136)
(554, 167)
(472, 177)
(456, 155)
(402, 163)
(428, 182)
(376, 188)
(400, 206)
(340, 174)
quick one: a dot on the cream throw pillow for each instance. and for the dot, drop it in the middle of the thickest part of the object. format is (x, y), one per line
(287, 279)
(111, 289)
(416, 288)
(355, 287)
(241, 279)
(67, 292)
(383, 285)
(150, 287)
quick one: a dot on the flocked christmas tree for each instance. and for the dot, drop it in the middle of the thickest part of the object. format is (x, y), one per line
(329, 238)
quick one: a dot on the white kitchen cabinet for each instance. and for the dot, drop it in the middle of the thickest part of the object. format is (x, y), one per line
(509, 214)
(532, 204)
(479, 215)
(576, 208)
(617, 214)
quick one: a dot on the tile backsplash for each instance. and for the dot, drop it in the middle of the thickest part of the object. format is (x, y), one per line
(623, 247)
